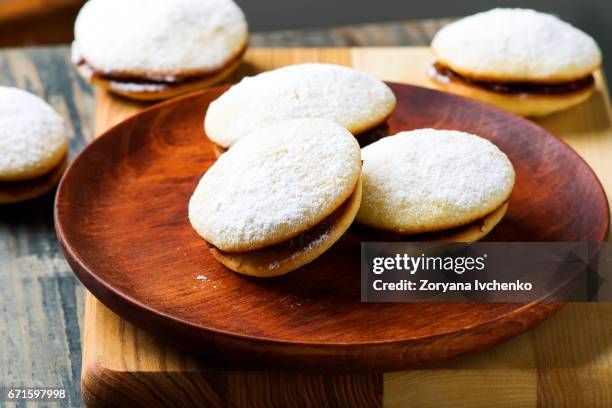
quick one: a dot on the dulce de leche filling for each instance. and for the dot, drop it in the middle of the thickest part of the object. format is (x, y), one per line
(445, 75)
(160, 83)
(267, 261)
(157, 81)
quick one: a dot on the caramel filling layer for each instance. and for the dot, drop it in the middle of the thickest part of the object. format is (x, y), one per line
(167, 81)
(285, 256)
(446, 75)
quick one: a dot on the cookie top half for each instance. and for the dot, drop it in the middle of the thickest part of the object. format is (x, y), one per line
(516, 45)
(275, 184)
(344, 95)
(33, 137)
(430, 180)
(159, 38)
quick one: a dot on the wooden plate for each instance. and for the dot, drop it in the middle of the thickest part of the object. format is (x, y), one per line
(121, 217)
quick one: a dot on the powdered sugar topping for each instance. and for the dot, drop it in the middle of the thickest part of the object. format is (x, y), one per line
(32, 134)
(346, 96)
(517, 44)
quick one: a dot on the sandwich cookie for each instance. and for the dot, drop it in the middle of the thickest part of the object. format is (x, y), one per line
(34, 144)
(280, 197)
(157, 49)
(354, 100)
(446, 185)
(526, 62)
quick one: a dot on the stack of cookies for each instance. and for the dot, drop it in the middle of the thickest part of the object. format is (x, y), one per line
(293, 177)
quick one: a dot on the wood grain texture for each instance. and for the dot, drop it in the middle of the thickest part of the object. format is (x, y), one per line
(410, 32)
(172, 378)
(565, 361)
(41, 301)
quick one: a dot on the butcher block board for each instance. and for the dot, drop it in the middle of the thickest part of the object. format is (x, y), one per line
(567, 360)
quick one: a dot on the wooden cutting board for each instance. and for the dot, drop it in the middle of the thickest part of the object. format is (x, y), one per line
(565, 361)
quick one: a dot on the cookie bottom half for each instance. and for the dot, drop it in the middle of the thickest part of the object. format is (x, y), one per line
(468, 233)
(531, 100)
(289, 255)
(18, 191)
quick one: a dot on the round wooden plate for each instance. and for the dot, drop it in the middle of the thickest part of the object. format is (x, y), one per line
(121, 217)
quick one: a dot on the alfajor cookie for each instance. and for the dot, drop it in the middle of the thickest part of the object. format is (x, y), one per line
(351, 98)
(280, 197)
(33, 142)
(526, 62)
(156, 49)
(447, 184)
